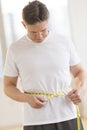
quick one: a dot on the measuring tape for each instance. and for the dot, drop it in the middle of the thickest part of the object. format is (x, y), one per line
(60, 93)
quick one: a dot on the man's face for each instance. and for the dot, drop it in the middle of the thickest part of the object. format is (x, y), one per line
(37, 32)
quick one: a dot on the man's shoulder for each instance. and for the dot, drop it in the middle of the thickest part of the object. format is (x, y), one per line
(18, 42)
(17, 45)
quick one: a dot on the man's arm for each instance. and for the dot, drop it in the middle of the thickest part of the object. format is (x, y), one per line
(80, 77)
(11, 90)
(79, 74)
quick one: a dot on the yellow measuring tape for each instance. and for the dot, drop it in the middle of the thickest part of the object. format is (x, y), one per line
(60, 93)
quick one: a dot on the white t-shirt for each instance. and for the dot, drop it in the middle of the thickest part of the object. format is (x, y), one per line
(44, 67)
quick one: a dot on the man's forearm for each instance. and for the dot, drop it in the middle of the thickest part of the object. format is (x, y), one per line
(15, 93)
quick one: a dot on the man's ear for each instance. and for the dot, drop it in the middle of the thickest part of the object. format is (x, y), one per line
(24, 24)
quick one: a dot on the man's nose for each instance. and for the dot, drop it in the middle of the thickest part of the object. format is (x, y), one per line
(39, 35)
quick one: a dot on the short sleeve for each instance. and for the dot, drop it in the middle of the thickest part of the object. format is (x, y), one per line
(10, 68)
(74, 57)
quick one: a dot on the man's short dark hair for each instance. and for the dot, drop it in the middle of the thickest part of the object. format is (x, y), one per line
(35, 12)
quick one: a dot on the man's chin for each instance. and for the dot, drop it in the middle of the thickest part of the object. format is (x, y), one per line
(39, 40)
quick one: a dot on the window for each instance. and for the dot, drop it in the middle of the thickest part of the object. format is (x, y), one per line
(12, 19)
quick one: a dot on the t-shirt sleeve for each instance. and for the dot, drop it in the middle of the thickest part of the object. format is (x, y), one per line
(10, 68)
(74, 57)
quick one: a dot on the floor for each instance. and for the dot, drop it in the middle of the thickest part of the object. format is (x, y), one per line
(85, 123)
(20, 127)
(12, 128)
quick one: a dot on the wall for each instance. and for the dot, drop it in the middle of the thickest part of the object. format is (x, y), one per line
(10, 111)
(78, 21)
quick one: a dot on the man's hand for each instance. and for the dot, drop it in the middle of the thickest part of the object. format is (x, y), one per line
(74, 96)
(35, 101)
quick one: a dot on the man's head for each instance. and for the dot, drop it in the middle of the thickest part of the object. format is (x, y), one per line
(35, 20)
(35, 12)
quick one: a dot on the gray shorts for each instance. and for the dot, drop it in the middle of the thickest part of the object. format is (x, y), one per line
(66, 125)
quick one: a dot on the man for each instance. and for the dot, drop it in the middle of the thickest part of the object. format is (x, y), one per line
(45, 63)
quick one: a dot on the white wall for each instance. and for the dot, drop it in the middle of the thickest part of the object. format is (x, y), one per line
(78, 20)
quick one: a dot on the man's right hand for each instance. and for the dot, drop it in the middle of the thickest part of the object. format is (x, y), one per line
(35, 101)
